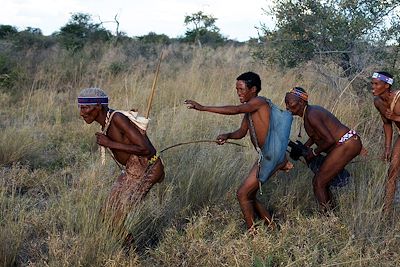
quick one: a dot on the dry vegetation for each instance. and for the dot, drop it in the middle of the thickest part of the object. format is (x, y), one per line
(52, 184)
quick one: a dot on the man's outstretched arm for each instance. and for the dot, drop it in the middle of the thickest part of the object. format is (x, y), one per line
(250, 106)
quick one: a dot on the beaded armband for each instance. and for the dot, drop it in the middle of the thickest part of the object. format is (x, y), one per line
(153, 159)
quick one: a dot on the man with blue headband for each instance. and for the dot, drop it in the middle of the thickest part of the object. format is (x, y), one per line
(386, 102)
(124, 135)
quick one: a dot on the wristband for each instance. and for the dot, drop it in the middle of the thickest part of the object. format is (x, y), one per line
(313, 152)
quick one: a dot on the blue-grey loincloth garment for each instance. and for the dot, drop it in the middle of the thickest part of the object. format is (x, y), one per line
(276, 142)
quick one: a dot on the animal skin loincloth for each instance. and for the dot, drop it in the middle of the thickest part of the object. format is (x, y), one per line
(132, 186)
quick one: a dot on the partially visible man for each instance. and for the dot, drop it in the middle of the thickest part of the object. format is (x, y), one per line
(130, 147)
(386, 102)
(330, 136)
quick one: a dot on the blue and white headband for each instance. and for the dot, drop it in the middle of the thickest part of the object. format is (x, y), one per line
(383, 78)
(90, 100)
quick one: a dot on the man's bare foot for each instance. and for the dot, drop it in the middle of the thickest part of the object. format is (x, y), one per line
(252, 231)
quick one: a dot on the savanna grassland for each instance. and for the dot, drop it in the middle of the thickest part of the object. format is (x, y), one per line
(52, 184)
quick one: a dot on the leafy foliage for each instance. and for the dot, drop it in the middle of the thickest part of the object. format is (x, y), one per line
(154, 38)
(81, 30)
(201, 29)
(7, 30)
(9, 72)
(333, 28)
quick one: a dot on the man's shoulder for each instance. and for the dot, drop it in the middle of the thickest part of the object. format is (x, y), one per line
(316, 111)
(260, 100)
(131, 118)
(118, 117)
(378, 101)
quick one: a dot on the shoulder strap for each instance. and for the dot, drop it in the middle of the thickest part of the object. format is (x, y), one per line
(102, 148)
(108, 121)
(139, 121)
(258, 149)
(136, 119)
(394, 101)
(252, 131)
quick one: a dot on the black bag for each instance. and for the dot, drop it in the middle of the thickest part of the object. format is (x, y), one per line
(298, 150)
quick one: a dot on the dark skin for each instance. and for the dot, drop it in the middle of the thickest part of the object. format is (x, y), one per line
(383, 97)
(123, 138)
(260, 113)
(324, 130)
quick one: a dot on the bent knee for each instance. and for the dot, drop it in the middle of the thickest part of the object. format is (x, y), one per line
(242, 194)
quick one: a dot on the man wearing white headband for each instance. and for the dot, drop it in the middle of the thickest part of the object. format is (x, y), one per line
(386, 102)
(130, 147)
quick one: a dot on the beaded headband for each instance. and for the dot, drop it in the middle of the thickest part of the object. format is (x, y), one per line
(382, 77)
(300, 94)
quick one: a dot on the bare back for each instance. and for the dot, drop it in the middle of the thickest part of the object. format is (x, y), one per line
(321, 125)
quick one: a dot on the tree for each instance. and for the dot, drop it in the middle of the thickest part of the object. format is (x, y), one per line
(80, 30)
(201, 28)
(7, 31)
(154, 38)
(393, 34)
(32, 38)
(334, 29)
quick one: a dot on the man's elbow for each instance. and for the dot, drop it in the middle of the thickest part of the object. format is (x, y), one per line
(331, 142)
(144, 151)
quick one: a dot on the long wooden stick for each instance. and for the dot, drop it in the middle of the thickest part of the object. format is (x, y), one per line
(153, 88)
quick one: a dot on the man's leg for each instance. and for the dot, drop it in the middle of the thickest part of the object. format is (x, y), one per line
(246, 196)
(392, 177)
(259, 208)
(154, 174)
(335, 161)
(263, 213)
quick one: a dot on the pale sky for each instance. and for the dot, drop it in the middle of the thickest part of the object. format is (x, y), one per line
(236, 19)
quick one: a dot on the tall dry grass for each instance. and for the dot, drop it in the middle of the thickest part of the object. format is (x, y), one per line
(52, 185)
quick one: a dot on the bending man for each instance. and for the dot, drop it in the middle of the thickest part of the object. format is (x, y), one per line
(331, 137)
(130, 147)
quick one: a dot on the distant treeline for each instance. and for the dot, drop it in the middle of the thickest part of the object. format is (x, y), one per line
(352, 36)
(81, 30)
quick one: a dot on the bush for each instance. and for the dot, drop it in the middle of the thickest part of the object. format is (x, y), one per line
(8, 72)
(7, 31)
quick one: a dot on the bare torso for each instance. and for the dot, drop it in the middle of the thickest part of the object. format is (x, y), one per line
(117, 135)
(317, 117)
(261, 120)
(382, 106)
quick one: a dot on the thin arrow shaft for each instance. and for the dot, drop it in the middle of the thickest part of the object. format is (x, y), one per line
(153, 88)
